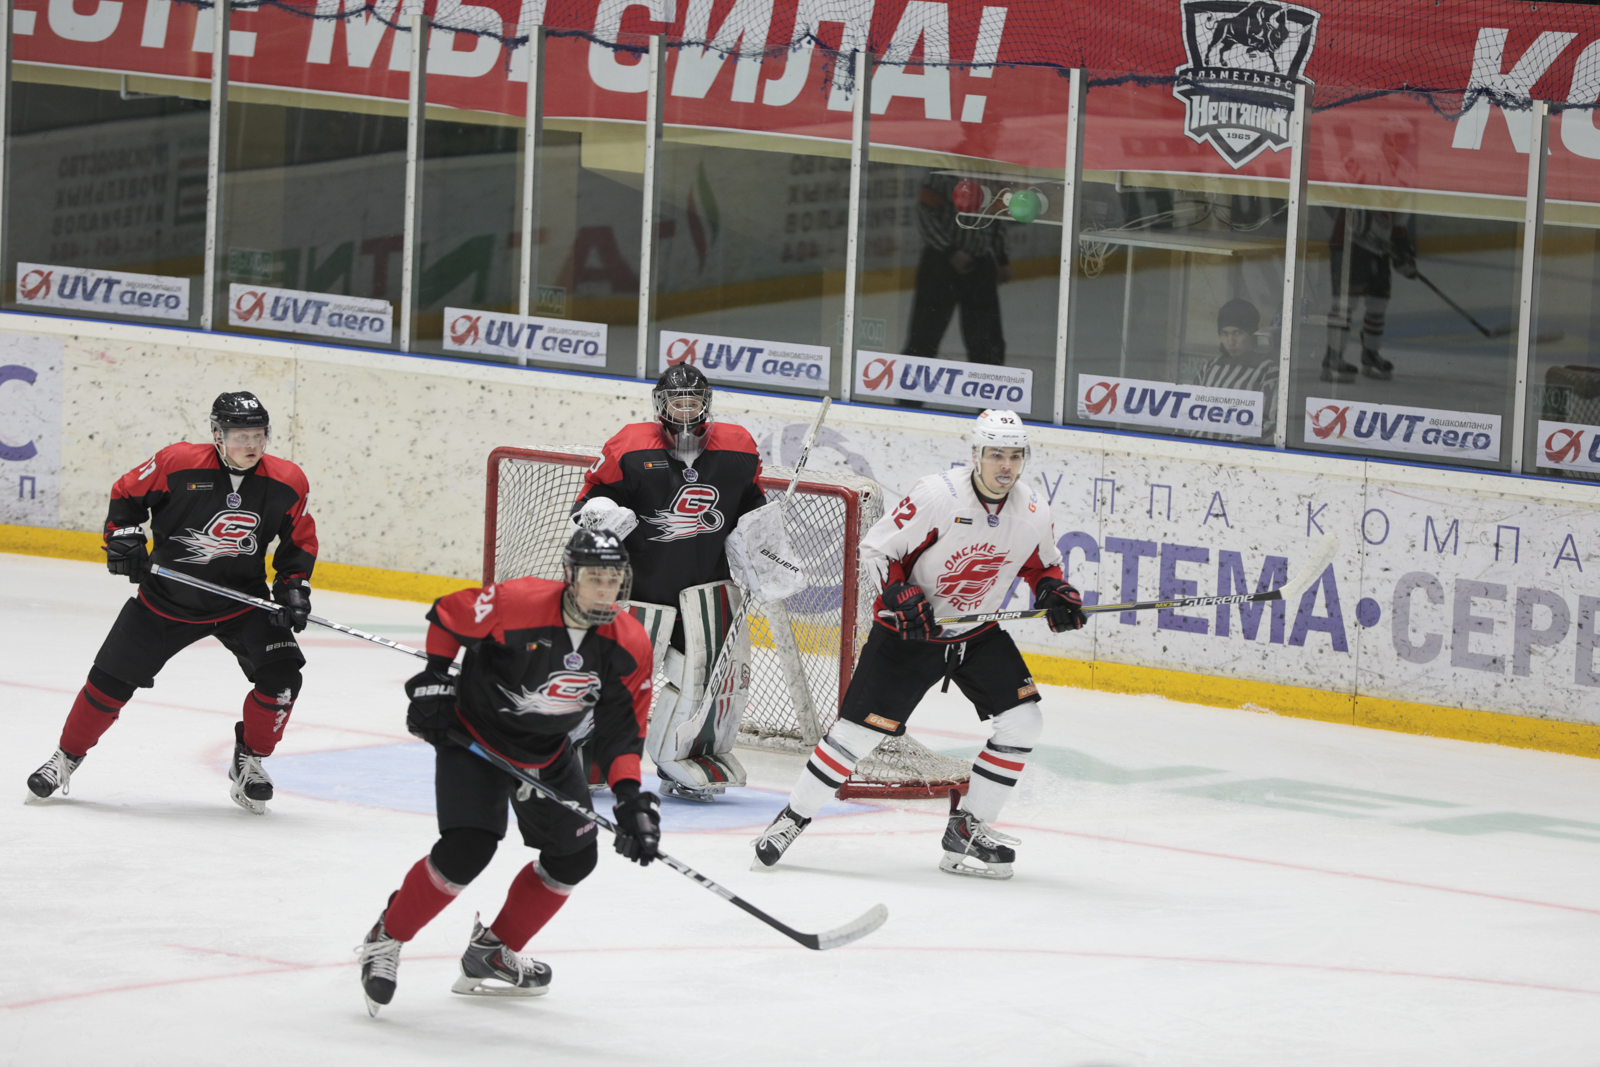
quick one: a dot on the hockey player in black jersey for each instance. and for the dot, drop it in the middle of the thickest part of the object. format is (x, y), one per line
(540, 656)
(214, 509)
(678, 490)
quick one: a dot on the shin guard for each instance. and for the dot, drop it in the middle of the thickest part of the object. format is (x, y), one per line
(93, 713)
(424, 894)
(534, 897)
(265, 715)
(832, 761)
(1004, 757)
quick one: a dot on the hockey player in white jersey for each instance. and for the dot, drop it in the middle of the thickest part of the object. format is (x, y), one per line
(953, 546)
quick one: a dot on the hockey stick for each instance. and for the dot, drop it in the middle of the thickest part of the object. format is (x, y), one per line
(272, 606)
(1293, 589)
(1548, 337)
(719, 669)
(874, 917)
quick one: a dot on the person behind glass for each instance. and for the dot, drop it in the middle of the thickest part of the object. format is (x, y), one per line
(1240, 364)
(959, 267)
(1375, 240)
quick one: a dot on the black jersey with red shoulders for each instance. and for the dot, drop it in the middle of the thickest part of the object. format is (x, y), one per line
(203, 526)
(685, 512)
(523, 686)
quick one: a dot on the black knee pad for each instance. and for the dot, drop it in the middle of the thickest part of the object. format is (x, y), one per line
(115, 688)
(463, 853)
(278, 676)
(572, 868)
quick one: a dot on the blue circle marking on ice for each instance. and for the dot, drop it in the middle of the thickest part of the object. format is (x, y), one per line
(400, 778)
(1368, 612)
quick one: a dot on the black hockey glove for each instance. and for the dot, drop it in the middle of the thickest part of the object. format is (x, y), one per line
(908, 611)
(638, 824)
(126, 553)
(295, 596)
(432, 712)
(1064, 603)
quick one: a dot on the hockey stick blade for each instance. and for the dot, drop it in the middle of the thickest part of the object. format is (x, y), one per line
(843, 935)
(1321, 555)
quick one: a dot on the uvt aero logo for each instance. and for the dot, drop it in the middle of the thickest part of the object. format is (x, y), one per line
(1245, 57)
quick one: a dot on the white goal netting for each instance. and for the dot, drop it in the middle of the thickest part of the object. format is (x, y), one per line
(803, 649)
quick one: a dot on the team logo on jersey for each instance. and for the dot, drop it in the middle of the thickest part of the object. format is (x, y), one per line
(994, 520)
(563, 693)
(1245, 57)
(690, 474)
(572, 661)
(234, 499)
(229, 533)
(693, 512)
(969, 575)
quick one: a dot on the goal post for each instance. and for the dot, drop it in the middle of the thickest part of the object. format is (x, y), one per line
(803, 649)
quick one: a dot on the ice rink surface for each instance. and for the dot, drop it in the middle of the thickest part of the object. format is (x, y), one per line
(1194, 886)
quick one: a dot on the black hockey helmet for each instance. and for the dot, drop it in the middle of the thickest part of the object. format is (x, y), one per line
(237, 411)
(682, 399)
(602, 551)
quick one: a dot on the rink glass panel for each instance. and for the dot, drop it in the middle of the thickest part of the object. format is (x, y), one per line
(1564, 363)
(750, 232)
(948, 270)
(468, 254)
(313, 184)
(107, 173)
(1398, 175)
(1169, 234)
(590, 201)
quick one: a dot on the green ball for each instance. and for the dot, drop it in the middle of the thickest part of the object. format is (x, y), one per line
(1025, 205)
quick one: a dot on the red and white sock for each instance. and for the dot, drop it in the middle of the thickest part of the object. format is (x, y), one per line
(1003, 759)
(832, 761)
(265, 715)
(92, 714)
(532, 900)
(424, 894)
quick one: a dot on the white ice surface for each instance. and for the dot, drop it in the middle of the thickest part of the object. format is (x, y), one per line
(1195, 886)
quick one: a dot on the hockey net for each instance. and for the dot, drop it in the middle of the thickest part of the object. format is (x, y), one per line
(803, 649)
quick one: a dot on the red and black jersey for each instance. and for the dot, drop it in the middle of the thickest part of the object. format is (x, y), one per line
(685, 512)
(523, 687)
(203, 526)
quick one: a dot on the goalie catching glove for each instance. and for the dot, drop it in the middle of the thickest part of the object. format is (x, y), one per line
(907, 611)
(759, 556)
(604, 514)
(638, 823)
(1064, 603)
(432, 712)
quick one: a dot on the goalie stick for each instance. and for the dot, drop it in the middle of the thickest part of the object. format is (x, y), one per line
(1293, 589)
(719, 669)
(272, 606)
(874, 917)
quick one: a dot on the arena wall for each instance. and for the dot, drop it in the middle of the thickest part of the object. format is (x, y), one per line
(1461, 604)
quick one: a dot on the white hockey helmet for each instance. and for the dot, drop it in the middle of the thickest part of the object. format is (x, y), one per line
(997, 428)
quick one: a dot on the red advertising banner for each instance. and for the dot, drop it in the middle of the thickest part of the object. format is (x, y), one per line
(1200, 87)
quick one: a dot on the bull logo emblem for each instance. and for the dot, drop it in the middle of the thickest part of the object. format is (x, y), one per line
(1245, 57)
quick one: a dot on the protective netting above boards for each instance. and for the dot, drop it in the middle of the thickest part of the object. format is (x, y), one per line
(1450, 52)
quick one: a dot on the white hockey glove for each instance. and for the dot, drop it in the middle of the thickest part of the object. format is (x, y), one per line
(760, 558)
(603, 513)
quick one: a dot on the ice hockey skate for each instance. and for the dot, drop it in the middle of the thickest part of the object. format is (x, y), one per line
(55, 774)
(380, 966)
(252, 787)
(972, 848)
(489, 968)
(776, 839)
(700, 778)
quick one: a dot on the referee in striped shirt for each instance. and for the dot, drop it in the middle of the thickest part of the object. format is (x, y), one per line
(1241, 365)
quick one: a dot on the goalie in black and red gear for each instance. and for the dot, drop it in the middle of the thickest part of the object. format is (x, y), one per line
(214, 509)
(540, 657)
(676, 491)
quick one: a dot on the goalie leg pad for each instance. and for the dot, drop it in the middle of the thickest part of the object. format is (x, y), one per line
(687, 728)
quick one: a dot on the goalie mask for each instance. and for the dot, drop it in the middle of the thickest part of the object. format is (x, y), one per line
(598, 576)
(996, 434)
(682, 400)
(241, 426)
